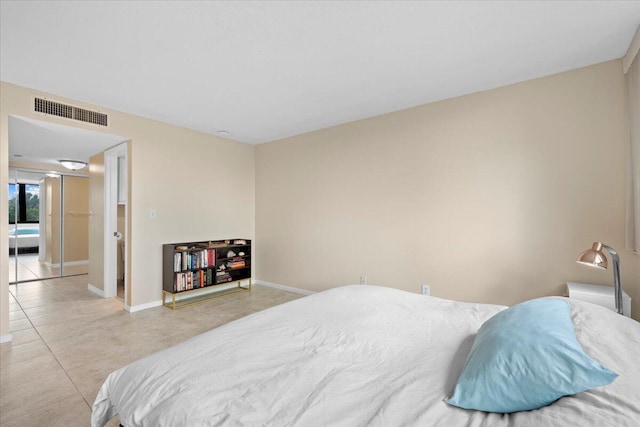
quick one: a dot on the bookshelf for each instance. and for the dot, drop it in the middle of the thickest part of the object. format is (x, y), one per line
(221, 266)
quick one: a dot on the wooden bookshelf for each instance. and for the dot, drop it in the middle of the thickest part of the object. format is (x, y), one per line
(190, 268)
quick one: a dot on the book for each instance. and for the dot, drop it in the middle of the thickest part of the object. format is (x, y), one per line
(180, 282)
(177, 262)
(185, 261)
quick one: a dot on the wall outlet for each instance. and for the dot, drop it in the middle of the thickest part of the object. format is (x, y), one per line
(426, 289)
(363, 280)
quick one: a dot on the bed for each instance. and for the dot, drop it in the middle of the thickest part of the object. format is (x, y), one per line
(356, 356)
(27, 238)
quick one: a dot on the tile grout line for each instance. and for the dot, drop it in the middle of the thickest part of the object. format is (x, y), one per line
(51, 351)
(240, 308)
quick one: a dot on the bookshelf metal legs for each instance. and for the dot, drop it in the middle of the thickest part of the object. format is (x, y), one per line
(174, 304)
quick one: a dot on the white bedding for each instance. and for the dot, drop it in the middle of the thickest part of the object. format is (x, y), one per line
(25, 241)
(355, 356)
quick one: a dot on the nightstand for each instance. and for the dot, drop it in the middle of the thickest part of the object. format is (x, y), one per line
(599, 294)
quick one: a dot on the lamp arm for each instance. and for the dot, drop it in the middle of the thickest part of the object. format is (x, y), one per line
(617, 288)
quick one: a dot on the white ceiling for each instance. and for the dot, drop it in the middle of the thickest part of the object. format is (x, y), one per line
(34, 141)
(267, 70)
(25, 177)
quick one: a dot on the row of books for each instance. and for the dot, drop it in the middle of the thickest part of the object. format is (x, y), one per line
(192, 260)
(199, 279)
(193, 280)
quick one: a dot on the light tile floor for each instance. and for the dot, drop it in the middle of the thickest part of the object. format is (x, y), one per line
(29, 268)
(66, 341)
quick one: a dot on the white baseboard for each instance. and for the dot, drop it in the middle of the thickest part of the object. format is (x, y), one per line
(283, 287)
(6, 338)
(140, 307)
(67, 264)
(95, 290)
(81, 262)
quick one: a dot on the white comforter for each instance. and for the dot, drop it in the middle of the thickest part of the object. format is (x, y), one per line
(355, 356)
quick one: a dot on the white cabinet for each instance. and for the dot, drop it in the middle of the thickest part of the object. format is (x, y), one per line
(599, 294)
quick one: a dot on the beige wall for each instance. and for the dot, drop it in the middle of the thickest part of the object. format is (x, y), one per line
(96, 221)
(488, 197)
(201, 186)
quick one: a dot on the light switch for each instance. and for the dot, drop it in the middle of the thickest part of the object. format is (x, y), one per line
(153, 214)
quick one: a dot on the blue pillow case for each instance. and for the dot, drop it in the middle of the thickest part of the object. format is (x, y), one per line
(524, 358)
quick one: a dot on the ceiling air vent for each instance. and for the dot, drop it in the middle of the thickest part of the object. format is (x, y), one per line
(70, 112)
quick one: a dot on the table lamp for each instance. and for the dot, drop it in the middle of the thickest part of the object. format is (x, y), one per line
(595, 257)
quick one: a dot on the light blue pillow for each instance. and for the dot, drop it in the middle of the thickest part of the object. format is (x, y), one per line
(524, 358)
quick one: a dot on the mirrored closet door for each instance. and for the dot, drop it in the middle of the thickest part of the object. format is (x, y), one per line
(48, 225)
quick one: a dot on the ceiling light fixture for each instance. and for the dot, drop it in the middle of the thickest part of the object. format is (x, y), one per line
(73, 165)
(223, 133)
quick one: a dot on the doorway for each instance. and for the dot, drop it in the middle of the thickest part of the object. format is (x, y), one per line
(115, 222)
(51, 215)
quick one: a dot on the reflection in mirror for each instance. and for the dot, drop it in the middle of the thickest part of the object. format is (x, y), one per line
(28, 229)
(49, 225)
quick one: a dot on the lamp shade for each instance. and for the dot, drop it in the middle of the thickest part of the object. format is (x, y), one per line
(594, 257)
(73, 165)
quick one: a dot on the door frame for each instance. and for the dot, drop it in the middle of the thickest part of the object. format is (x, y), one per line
(111, 221)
